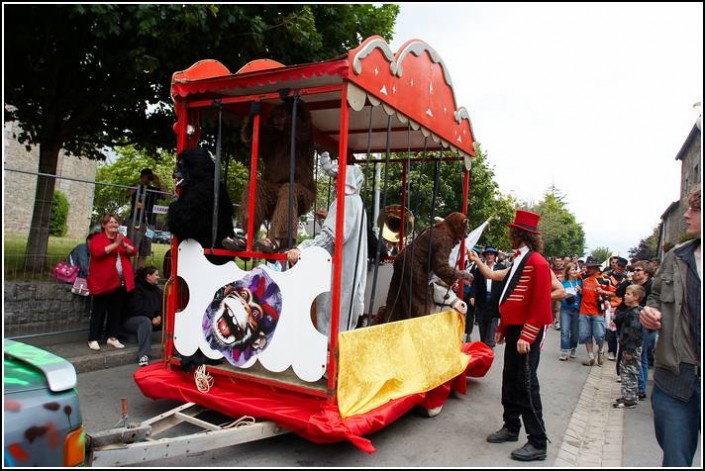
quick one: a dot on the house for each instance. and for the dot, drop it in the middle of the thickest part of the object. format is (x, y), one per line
(672, 228)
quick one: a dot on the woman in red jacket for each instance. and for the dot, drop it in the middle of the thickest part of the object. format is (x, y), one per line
(110, 278)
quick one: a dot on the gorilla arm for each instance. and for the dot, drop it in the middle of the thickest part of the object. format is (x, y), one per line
(441, 245)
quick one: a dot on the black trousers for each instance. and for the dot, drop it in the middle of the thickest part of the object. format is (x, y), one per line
(469, 316)
(110, 305)
(520, 388)
(487, 321)
(612, 338)
(488, 327)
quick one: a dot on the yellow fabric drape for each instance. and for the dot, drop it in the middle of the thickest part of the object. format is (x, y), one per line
(389, 361)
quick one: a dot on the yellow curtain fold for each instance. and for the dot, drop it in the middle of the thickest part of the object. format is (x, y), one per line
(389, 361)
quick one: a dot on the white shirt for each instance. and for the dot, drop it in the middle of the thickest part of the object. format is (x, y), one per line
(489, 280)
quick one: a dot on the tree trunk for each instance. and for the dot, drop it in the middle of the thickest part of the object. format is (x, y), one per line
(35, 254)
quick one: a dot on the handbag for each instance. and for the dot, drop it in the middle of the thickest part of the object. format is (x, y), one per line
(80, 287)
(65, 272)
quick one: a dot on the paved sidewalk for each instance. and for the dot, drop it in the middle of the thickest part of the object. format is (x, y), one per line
(598, 435)
(594, 437)
(74, 348)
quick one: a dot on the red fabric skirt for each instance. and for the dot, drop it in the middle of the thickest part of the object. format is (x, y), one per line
(314, 418)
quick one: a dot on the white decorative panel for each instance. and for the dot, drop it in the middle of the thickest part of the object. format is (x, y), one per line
(245, 316)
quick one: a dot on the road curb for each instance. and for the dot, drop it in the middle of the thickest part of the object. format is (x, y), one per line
(75, 350)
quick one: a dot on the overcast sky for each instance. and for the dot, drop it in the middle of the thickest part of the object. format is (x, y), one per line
(596, 99)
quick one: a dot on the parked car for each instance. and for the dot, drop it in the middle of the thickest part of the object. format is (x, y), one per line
(162, 237)
(43, 422)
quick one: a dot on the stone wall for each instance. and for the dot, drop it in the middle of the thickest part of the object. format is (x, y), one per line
(19, 188)
(40, 307)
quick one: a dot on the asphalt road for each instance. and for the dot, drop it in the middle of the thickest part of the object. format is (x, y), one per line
(455, 438)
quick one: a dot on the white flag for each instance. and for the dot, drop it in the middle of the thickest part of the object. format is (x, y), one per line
(470, 241)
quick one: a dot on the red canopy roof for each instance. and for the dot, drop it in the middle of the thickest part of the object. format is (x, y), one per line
(413, 86)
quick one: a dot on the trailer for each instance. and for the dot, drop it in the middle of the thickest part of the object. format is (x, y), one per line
(161, 437)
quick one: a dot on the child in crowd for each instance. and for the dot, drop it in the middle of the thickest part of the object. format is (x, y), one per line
(630, 340)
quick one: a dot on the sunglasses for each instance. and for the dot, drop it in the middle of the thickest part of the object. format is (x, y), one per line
(638, 269)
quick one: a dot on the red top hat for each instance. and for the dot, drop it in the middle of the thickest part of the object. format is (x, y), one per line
(526, 221)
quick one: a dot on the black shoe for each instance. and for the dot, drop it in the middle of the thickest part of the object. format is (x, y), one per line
(624, 404)
(503, 435)
(641, 396)
(529, 453)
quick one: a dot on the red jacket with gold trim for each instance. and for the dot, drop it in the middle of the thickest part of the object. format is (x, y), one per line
(528, 303)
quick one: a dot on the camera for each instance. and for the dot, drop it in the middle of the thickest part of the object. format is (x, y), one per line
(570, 299)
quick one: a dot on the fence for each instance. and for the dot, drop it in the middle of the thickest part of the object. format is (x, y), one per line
(34, 302)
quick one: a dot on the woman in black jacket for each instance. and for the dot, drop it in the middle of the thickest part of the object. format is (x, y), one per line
(145, 310)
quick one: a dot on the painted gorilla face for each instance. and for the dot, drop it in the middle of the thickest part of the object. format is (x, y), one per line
(241, 320)
(236, 322)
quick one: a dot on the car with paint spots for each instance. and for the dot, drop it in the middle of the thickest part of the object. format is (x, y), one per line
(43, 425)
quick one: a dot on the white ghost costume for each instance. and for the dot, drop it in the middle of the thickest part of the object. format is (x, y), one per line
(354, 263)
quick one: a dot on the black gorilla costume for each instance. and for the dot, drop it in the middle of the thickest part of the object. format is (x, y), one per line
(191, 213)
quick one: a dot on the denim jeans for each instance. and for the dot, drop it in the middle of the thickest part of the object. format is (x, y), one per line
(648, 342)
(569, 328)
(591, 327)
(677, 425)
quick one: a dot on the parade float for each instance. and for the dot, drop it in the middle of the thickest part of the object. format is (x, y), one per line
(253, 327)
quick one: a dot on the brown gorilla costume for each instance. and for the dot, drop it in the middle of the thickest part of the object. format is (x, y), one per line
(409, 292)
(272, 196)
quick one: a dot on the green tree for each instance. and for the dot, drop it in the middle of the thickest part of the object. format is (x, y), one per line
(485, 200)
(88, 76)
(647, 248)
(601, 253)
(124, 172)
(562, 235)
(420, 180)
(59, 215)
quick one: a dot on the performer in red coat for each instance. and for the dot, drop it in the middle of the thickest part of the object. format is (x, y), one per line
(525, 309)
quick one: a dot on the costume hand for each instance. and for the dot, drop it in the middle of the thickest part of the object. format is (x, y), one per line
(650, 318)
(293, 256)
(523, 347)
